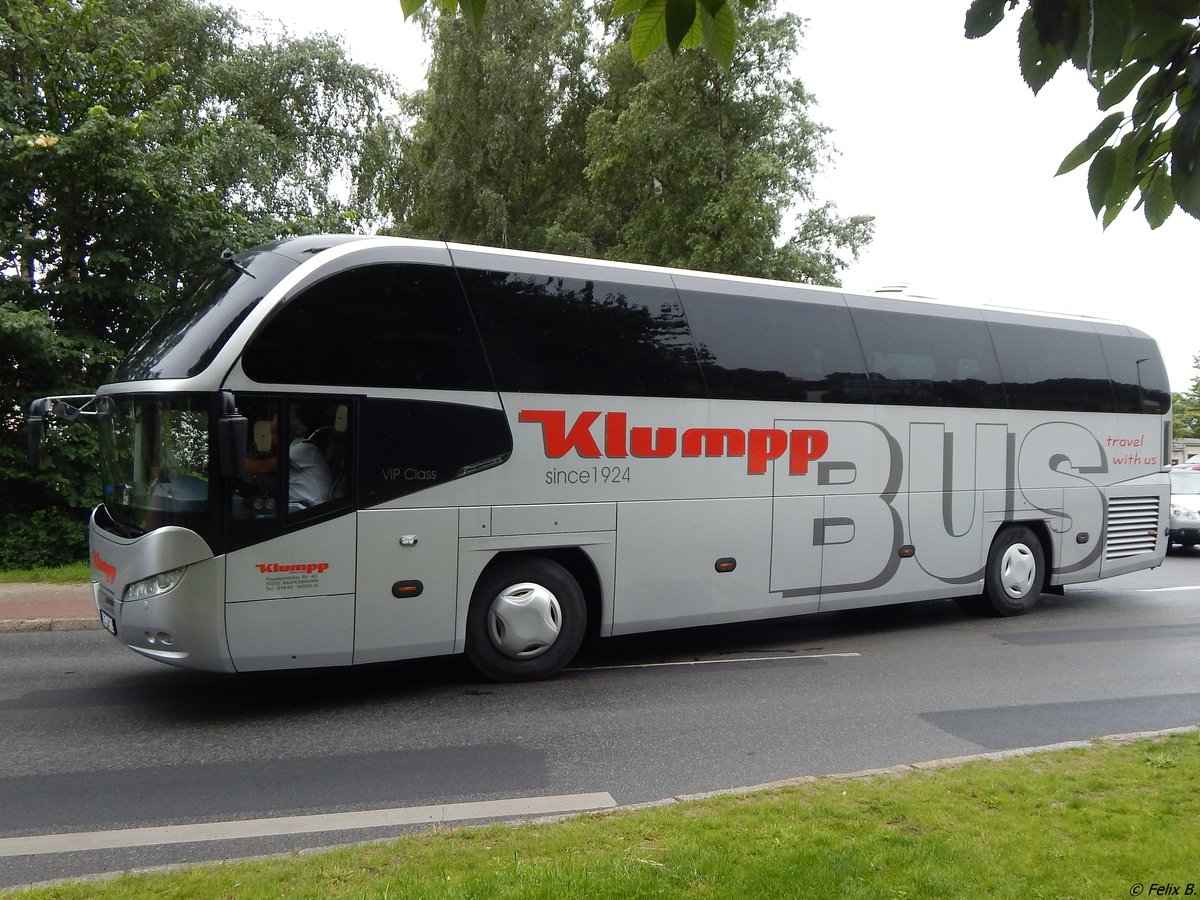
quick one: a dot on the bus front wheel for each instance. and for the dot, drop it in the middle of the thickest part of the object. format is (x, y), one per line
(526, 621)
(1015, 571)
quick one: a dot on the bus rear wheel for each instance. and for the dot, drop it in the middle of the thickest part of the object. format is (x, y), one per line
(526, 621)
(1015, 571)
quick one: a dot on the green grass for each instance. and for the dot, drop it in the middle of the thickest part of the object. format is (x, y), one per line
(75, 573)
(1076, 823)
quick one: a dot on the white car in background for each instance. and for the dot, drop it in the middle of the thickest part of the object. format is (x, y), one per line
(1185, 506)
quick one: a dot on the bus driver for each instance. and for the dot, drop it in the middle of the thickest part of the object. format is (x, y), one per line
(309, 478)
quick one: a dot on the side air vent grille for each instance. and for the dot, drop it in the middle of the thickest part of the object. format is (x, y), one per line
(1133, 527)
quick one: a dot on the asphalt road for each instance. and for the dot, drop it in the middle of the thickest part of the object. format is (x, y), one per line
(96, 740)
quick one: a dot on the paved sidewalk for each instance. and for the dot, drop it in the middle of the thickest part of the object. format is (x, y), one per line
(47, 607)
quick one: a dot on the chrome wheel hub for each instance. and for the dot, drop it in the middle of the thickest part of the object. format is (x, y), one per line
(1017, 570)
(524, 620)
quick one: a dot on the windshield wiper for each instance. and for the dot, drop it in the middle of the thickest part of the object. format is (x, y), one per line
(230, 259)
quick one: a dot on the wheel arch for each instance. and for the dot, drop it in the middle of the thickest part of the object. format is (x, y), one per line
(1042, 530)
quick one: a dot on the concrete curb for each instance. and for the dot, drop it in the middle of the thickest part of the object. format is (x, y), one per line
(25, 626)
(1110, 740)
(34, 607)
(890, 771)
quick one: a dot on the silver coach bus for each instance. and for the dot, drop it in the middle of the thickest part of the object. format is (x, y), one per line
(345, 450)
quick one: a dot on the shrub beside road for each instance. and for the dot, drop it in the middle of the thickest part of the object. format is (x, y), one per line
(77, 573)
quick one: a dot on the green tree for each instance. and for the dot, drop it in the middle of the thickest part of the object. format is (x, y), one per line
(137, 139)
(538, 131)
(1151, 47)
(694, 165)
(677, 23)
(498, 135)
(1144, 52)
(1185, 407)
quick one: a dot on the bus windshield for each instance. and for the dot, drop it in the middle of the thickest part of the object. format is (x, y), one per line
(186, 339)
(155, 454)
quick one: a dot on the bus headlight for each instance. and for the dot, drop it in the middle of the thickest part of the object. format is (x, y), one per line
(154, 585)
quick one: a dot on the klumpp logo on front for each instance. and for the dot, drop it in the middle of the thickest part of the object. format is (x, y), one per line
(109, 570)
(618, 440)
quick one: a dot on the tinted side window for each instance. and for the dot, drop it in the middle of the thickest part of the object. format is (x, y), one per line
(572, 336)
(409, 445)
(1139, 379)
(1052, 368)
(753, 348)
(926, 360)
(400, 326)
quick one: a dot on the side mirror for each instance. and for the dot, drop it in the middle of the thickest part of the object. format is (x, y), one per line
(34, 423)
(232, 431)
(33, 441)
(61, 409)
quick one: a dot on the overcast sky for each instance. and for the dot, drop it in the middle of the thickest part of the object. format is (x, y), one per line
(942, 142)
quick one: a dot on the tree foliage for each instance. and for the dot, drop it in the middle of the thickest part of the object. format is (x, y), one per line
(489, 149)
(677, 23)
(694, 165)
(138, 138)
(1144, 54)
(539, 131)
(1185, 407)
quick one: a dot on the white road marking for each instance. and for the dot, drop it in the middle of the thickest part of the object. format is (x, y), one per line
(713, 662)
(1158, 590)
(249, 828)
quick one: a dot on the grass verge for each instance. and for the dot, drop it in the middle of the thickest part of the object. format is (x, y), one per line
(1074, 823)
(75, 573)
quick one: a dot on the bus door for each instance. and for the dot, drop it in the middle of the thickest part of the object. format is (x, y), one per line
(407, 583)
(836, 525)
(412, 453)
(884, 511)
(290, 575)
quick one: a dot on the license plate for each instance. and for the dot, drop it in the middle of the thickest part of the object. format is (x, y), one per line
(109, 623)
